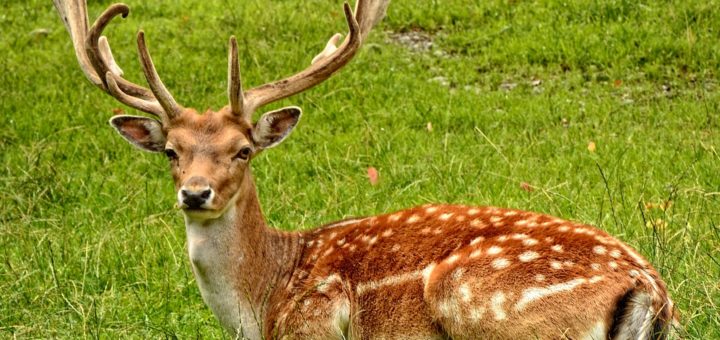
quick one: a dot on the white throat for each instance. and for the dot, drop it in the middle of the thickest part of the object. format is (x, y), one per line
(215, 260)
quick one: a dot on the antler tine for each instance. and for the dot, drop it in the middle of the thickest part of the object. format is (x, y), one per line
(235, 93)
(138, 103)
(161, 93)
(96, 60)
(96, 55)
(368, 14)
(106, 54)
(326, 63)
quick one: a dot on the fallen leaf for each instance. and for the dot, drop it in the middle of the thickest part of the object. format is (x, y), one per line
(527, 187)
(617, 83)
(591, 147)
(429, 127)
(372, 175)
(118, 111)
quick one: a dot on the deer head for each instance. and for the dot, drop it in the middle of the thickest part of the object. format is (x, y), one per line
(210, 153)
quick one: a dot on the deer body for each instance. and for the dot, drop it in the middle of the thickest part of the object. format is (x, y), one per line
(436, 271)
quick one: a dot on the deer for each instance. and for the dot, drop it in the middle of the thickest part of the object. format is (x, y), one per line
(435, 271)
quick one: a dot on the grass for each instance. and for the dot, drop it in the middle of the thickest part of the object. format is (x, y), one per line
(515, 92)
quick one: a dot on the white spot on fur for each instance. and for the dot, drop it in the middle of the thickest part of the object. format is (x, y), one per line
(452, 258)
(477, 223)
(445, 216)
(494, 250)
(473, 211)
(476, 253)
(557, 248)
(530, 242)
(535, 293)
(510, 213)
(521, 223)
(600, 250)
(549, 239)
(563, 228)
(519, 236)
(431, 210)
(539, 277)
(595, 279)
(603, 240)
(634, 273)
(395, 248)
(555, 265)
(340, 242)
(500, 263)
(395, 217)
(460, 218)
(438, 231)
(615, 253)
(495, 219)
(387, 233)
(425, 230)
(528, 256)
(502, 238)
(613, 264)
(413, 219)
(477, 240)
(595, 266)
(373, 240)
(496, 305)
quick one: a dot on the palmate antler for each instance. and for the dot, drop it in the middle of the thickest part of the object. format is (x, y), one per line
(96, 60)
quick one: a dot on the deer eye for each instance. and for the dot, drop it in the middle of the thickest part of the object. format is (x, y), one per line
(171, 154)
(244, 153)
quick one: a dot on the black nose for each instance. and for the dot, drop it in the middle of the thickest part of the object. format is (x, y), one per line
(195, 199)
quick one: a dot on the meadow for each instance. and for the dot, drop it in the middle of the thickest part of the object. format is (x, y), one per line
(605, 112)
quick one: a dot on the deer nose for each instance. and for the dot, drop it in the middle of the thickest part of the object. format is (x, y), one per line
(195, 193)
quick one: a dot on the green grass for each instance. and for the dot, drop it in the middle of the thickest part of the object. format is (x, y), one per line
(91, 246)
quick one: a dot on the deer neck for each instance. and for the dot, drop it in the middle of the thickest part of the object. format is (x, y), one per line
(238, 261)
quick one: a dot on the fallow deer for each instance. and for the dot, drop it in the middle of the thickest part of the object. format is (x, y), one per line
(434, 271)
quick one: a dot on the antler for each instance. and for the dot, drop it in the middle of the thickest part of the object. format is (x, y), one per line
(96, 60)
(331, 59)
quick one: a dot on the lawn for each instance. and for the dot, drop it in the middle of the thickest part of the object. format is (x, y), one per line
(605, 112)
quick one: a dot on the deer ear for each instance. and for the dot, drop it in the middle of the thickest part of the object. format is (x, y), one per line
(274, 126)
(145, 133)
